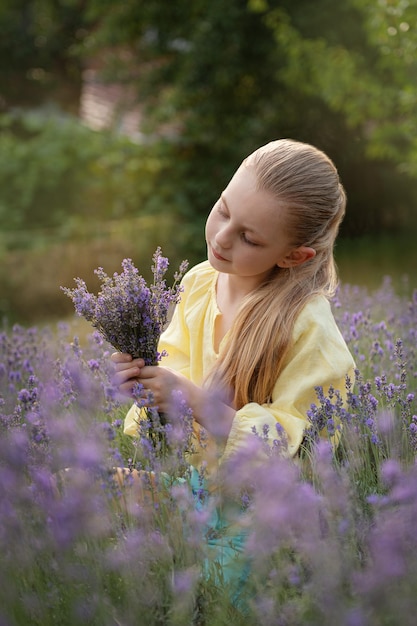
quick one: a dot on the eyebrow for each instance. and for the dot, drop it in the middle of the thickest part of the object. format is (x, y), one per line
(245, 228)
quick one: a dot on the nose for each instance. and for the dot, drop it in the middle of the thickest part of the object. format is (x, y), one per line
(223, 238)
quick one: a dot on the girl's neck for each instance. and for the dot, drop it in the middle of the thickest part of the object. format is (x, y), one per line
(235, 288)
(230, 291)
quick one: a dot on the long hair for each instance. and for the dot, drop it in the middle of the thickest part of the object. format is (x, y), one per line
(306, 184)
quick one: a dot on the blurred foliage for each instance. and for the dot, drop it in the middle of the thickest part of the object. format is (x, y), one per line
(42, 260)
(234, 75)
(56, 173)
(38, 57)
(216, 80)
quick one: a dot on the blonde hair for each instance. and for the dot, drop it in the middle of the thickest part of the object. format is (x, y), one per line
(306, 183)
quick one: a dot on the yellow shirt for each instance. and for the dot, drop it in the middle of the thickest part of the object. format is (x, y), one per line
(318, 357)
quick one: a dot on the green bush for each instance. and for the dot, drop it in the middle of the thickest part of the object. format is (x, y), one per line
(54, 169)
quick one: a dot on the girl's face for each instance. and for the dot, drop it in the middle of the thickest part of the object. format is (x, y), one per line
(245, 231)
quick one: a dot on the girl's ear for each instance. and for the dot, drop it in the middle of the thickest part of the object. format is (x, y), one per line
(297, 257)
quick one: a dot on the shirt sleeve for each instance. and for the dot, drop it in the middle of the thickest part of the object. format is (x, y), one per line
(318, 357)
(175, 342)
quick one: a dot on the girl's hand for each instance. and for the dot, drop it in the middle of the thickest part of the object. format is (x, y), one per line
(209, 412)
(158, 382)
(127, 372)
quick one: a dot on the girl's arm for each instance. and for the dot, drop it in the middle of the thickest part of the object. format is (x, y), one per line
(319, 357)
(208, 411)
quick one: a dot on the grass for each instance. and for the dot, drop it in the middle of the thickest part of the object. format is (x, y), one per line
(367, 260)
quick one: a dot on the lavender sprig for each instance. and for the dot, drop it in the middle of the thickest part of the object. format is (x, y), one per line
(128, 313)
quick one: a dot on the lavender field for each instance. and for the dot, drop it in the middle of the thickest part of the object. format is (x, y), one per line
(332, 535)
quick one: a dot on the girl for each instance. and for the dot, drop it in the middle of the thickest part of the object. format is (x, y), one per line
(254, 321)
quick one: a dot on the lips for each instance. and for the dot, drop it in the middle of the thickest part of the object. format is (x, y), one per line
(217, 256)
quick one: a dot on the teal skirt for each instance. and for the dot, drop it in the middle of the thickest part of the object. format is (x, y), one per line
(226, 563)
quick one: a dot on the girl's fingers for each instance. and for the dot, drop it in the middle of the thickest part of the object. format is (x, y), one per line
(126, 372)
(127, 367)
(121, 357)
(127, 387)
(124, 362)
(125, 375)
(150, 371)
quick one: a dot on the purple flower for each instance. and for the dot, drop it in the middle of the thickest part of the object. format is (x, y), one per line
(128, 313)
(93, 364)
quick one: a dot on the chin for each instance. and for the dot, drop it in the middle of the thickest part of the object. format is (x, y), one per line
(213, 261)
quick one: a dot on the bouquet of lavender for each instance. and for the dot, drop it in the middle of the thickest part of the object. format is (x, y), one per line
(130, 314)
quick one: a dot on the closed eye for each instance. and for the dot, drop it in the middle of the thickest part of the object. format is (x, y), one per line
(248, 241)
(221, 211)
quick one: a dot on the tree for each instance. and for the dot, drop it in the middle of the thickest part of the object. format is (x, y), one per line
(218, 78)
(38, 46)
(233, 75)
